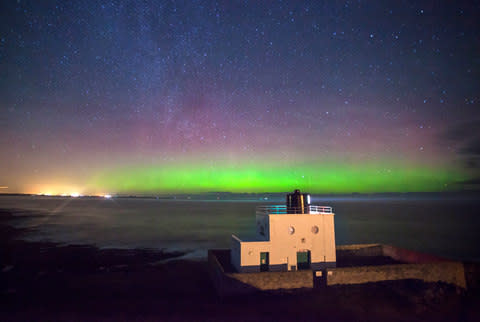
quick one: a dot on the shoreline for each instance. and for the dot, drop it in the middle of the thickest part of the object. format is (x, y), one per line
(47, 281)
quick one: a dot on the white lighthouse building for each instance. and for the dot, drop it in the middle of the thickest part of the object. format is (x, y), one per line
(291, 237)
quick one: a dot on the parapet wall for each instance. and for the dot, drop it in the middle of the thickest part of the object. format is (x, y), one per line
(409, 256)
(412, 265)
(276, 280)
(448, 272)
(360, 250)
(407, 265)
(395, 253)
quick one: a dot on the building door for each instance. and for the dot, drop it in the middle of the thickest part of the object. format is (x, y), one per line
(303, 259)
(264, 262)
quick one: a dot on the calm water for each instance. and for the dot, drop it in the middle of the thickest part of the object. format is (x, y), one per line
(444, 227)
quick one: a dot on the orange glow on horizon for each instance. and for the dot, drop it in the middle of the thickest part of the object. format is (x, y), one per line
(65, 190)
(55, 190)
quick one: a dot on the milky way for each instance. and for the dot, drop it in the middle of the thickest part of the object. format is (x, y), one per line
(194, 96)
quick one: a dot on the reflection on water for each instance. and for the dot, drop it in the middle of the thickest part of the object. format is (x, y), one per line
(442, 227)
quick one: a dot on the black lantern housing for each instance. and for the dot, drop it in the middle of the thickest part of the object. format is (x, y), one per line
(298, 203)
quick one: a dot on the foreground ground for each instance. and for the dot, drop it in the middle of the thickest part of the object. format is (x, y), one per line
(46, 281)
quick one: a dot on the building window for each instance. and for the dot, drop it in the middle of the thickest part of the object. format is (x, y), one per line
(315, 229)
(291, 230)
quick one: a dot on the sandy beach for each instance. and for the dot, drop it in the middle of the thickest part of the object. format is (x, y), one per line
(48, 281)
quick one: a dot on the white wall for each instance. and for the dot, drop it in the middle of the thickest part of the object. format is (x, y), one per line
(262, 224)
(235, 252)
(250, 253)
(283, 246)
(329, 231)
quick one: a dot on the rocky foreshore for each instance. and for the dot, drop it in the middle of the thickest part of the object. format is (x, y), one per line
(48, 281)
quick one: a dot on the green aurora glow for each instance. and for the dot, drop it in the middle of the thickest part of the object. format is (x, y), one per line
(315, 179)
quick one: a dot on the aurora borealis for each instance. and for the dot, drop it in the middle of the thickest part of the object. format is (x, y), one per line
(245, 96)
(331, 178)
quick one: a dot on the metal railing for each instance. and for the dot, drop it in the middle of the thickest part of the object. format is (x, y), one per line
(282, 209)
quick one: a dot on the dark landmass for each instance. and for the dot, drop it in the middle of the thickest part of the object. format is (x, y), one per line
(280, 196)
(48, 281)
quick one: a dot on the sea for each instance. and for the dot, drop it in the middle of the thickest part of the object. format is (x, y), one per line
(447, 227)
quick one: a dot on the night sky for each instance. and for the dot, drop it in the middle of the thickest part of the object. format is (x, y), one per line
(245, 96)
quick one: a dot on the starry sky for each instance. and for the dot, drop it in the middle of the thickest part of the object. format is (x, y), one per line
(246, 96)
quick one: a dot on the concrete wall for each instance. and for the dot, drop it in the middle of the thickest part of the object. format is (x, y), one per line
(229, 283)
(250, 255)
(262, 227)
(312, 232)
(409, 256)
(360, 250)
(235, 252)
(224, 285)
(448, 272)
(321, 244)
(276, 280)
(396, 253)
(216, 270)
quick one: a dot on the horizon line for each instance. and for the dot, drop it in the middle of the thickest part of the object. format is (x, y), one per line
(243, 193)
